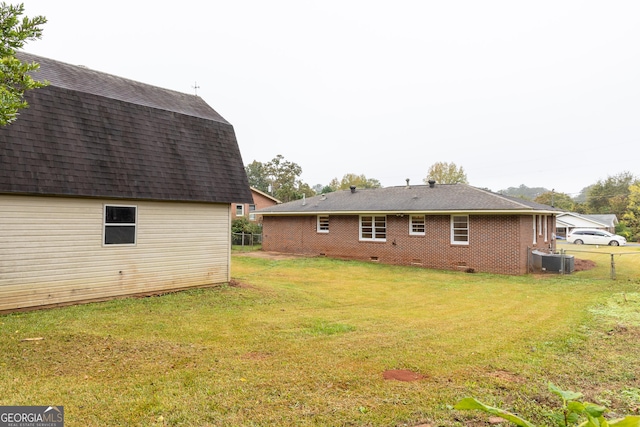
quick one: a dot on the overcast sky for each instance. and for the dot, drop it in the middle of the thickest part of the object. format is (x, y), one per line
(540, 93)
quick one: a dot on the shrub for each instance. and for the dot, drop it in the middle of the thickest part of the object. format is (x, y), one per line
(243, 225)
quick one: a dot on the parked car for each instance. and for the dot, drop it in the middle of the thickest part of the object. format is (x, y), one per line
(590, 236)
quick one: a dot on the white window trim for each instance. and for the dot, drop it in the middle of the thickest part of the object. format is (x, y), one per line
(239, 212)
(424, 225)
(318, 229)
(452, 230)
(373, 231)
(105, 224)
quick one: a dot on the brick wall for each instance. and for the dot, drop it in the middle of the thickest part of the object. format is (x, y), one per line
(497, 243)
(259, 200)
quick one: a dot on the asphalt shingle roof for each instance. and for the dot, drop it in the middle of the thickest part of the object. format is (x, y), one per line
(422, 198)
(91, 134)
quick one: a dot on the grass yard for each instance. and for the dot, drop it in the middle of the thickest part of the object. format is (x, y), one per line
(306, 342)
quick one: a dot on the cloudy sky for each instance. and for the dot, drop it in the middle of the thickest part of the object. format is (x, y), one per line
(540, 93)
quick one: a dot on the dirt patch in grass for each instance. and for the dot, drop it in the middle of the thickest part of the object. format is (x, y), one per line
(583, 264)
(256, 355)
(506, 376)
(402, 375)
(237, 284)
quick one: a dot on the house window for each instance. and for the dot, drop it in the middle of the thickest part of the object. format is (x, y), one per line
(416, 225)
(120, 225)
(373, 228)
(535, 231)
(323, 224)
(239, 210)
(252, 215)
(460, 229)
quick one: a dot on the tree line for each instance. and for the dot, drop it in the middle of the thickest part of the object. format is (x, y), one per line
(281, 179)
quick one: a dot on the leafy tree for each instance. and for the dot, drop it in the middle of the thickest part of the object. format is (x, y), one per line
(610, 195)
(319, 189)
(283, 174)
(257, 176)
(524, 192)
(446, 173)
(580, 208)
(631, 218)
(350, 179)
(559, 200)
(279, 178)
(14, 74)
(582, 196)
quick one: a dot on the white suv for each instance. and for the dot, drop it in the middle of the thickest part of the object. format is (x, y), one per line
(590, 236)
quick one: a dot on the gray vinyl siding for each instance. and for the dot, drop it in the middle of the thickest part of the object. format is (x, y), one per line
(51, 250)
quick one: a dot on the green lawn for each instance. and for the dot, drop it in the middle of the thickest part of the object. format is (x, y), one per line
(306, 341)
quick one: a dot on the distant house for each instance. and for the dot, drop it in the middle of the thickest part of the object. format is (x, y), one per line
(567, 221)
(112, 187)
(261, 200)
(456, 227)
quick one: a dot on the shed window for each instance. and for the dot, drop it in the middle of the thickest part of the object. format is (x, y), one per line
(460, 229)
(323, 223)
(120, 225)
(416, 225)
(373, 228)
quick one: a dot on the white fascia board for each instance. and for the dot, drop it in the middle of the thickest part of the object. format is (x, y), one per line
(420, 212)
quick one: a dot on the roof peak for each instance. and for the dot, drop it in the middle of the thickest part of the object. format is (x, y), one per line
(84, 79)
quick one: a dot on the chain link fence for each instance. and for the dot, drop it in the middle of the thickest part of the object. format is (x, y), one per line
(246, 241)
(605, 262)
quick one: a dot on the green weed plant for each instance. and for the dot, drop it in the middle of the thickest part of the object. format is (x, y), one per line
(574, 411)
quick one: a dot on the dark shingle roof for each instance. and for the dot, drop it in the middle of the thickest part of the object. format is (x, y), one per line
(422, 198)
(80, 78)
(90, 134)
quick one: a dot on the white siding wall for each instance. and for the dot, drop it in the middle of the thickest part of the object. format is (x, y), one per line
(51, 250)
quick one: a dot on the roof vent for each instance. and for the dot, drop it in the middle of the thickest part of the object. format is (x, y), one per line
(432, 183)
(408, 183)
(353, 188)
(323, 196)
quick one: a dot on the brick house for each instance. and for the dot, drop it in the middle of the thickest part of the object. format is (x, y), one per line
(457, 227)
(112, 187)
(261, 200)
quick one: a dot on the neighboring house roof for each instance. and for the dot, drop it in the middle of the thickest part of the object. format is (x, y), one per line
(268, 196)
(441, 198)
(609, 220)
(92, 134)
(576, 220)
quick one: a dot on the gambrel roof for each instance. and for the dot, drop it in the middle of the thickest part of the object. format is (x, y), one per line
(441, 198)
(92, 134)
